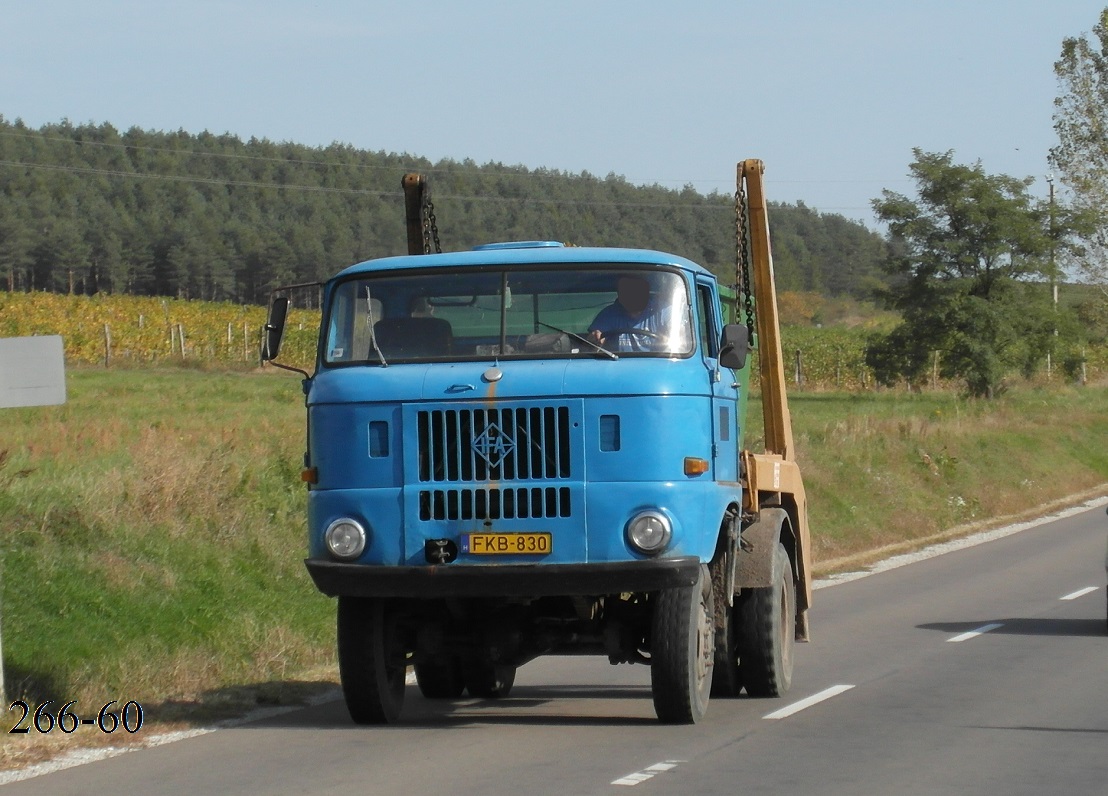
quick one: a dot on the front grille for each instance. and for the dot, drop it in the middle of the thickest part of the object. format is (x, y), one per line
(494, 463)
(497, 444)
(494, 503)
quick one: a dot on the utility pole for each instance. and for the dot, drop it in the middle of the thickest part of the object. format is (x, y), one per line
(1053, 272)
(1053, 275)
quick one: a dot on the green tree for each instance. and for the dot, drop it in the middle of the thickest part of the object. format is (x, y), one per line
(961, 255)
(1081, 156)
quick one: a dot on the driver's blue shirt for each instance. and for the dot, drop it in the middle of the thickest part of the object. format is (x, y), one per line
(652, 319)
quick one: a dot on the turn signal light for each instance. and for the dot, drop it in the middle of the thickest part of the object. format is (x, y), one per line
(695, 466)
(310, 475)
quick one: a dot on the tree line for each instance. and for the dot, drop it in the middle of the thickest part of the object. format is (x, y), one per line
(87, 209)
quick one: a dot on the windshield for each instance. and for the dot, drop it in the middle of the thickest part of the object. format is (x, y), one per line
(434, 316)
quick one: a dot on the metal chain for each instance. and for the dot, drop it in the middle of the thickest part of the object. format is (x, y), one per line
(426, 230)
(430, 228)
(742, 256)
(434, 226)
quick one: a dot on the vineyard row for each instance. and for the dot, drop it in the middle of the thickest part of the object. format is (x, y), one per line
(106, 329)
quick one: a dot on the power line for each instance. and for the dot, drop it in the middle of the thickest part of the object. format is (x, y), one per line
(356, 191)
(526, 173)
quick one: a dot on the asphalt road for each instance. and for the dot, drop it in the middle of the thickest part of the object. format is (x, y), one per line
(980, 671)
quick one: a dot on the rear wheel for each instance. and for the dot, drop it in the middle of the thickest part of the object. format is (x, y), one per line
(372, 660)
(682, 650)
(767, 632)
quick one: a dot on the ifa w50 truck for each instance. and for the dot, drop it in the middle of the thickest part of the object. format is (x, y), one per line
(536, 449)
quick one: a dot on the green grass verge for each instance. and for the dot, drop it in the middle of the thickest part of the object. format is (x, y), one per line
(153, 539)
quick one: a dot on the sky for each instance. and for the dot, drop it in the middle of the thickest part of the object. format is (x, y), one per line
(833, 95)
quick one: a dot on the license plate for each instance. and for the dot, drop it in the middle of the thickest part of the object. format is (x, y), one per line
(507, 544)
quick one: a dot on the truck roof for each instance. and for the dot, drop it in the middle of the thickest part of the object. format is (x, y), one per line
(526, 253)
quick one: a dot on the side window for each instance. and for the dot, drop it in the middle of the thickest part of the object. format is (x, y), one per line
(706, 322)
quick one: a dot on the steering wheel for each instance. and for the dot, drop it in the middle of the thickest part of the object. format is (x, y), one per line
(644, 332)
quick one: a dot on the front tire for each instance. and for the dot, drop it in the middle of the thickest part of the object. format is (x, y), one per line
(682, 651)
(372, 660)
(767, 631)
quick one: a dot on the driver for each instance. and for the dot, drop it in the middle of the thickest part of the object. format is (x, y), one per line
(634, 309)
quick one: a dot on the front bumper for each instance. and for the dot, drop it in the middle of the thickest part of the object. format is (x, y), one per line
(502, 580)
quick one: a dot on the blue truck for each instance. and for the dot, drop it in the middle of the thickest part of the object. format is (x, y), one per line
(534, 449)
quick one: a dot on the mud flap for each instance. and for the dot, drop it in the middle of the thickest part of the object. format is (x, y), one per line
(759, 543)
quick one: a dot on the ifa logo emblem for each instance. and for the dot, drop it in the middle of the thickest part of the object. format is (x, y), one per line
(493, 445)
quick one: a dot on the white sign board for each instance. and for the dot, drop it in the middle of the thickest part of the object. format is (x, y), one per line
(32, 371)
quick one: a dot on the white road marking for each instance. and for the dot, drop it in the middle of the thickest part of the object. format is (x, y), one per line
(1081, 592)
(647, 773)
(975, 633)
(815, 699)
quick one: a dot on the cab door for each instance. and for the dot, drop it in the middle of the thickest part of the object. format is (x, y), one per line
(722, 385)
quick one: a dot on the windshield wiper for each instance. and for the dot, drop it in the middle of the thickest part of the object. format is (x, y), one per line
(585, 340)
(372, 327)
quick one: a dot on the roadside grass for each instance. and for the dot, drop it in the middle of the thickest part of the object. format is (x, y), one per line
(152, 527)
(152, 539)
(892, 471)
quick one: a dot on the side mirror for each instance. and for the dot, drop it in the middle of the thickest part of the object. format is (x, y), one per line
(274, 329)
(736, 346)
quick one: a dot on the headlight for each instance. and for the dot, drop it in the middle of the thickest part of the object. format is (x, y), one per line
(345, 538)
(649, 532)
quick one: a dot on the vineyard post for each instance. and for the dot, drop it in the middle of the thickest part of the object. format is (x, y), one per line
(107, 345)
(245, 341)
(799, 371)
(181, 338)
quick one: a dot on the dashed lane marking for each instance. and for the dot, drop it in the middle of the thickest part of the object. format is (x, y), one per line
(814, 699)
(1081, 592)
(647, 773)
(975, 633)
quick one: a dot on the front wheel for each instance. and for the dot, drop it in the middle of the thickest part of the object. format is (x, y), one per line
(372, 660)
(767, 631)
(682, 651)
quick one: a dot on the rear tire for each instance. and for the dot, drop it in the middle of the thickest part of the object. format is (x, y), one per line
(767, 632)
(372, 660)
(682, 651)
